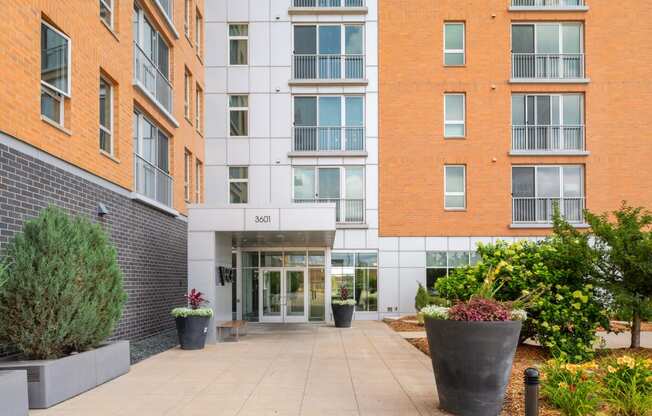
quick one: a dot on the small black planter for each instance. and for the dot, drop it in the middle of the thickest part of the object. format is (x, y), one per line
(472, 363)
(342, 315)
(192, 331)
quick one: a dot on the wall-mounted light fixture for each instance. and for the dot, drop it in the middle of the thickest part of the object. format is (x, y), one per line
(102, 210)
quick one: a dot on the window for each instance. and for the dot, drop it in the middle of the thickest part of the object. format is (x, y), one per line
(547, 50)
(454, 44)
(106, 116)
(454, 115)
(152, 167)
(548, 122)
(198, 181)
(455, 187)
(328, 52)
(199, 29)
(187, 91)
(440, 263)
(238, 44)
(187, 162)
(167, 6)
(186, 18)
(238, 185)
(238, 115)
(344, 186)
(358, 272)
(106, 12)
(329, 123)
(55, 72)
(538, 190)
(199, 115)
(151, 61)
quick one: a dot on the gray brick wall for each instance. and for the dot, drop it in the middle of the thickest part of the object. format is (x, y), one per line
(151, 245)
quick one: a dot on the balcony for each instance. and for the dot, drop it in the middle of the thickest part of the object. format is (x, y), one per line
(543, 67)
(152, 81)
(328, 7)
(547, 139)
(533, 211)
(347, 211)
(328, 68)
(548, 5)
(329, 139)
(152, 182)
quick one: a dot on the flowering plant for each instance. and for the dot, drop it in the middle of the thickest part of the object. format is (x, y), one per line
(195, 299)
(572, 388)
(344, 298)
(628, 385)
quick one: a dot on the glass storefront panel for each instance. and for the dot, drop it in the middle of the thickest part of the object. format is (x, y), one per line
(271, 259)
(317, 295)
(366, 290)
(295, 259)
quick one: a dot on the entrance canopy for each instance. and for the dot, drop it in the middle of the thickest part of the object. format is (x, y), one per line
(304, 225)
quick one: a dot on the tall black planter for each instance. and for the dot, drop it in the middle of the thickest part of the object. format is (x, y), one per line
(192, 332)
(472, 363)
(343, 315)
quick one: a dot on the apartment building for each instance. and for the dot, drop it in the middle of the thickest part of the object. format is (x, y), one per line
(494, 112)
(291, 201)
(102, 114)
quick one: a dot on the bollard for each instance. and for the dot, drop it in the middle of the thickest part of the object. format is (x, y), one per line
(531, 380)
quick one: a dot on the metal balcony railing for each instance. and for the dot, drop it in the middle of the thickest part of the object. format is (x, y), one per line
(152, 79)
(328, 139)
(328, 67)
(152, 182)
(547, 66)
(347, 211)
(328, 3)
(548, 3)
(547, 138)
(533, 210)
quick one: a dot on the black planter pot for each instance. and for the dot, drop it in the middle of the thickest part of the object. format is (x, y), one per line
(192, 332)
(342, 315)
(472, 362)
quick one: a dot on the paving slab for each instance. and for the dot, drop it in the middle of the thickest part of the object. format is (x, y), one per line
(277, 369)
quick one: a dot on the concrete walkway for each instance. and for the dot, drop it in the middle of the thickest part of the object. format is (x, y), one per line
(275, 370)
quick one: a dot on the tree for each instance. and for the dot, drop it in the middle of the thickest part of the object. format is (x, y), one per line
(63, 287)
(625, 259)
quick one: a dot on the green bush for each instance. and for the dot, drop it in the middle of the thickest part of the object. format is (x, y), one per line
(186, 312)
(566, 308)
(422, 299)
(63, 290)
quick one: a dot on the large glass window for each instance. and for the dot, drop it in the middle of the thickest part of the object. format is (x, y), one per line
(187, 88)
(238, 115)
(198, 181)
(455, 187)
(537, 190)
(454, 44)
(152, 167)
(238, 185)
(106, 116)
(440, 263)
(187, 162)
(358, 272)
(199, 112)
(328, 123)
(238, 44)
(55, 72)
(328, 51)
(454, 115)
(199, 32)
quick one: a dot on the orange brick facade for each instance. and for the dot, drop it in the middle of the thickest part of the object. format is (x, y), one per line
(413, 79)
(97, 50)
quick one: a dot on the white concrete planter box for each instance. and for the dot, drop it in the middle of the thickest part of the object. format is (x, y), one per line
(53, 381)
(13, 393)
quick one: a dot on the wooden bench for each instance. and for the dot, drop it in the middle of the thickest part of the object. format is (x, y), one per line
(231, 326)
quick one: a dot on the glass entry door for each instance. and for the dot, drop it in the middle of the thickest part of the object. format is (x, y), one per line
(283, 295)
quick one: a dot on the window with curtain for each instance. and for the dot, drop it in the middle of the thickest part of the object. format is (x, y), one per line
(454, 47)
(238, 44)
(454, 115)
(455, 187)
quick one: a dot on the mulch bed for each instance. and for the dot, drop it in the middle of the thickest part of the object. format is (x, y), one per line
(405, 324)
(526, 356)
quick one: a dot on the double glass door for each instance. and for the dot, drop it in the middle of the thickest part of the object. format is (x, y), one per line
(283, 295)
